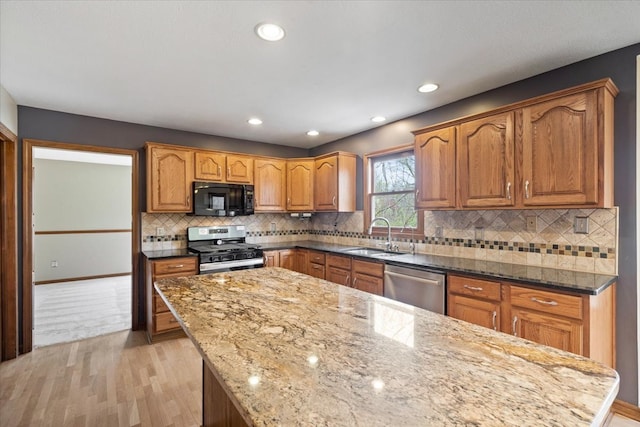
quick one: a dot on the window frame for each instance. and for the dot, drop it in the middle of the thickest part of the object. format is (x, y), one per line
(397, 232)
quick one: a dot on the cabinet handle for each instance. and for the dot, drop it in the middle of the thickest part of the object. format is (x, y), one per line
(288, 200)
(526, 189)
(417, 195)
(333, 201)
(219, 170)
(228, 171)
(473, 288)
(539, 301)
(355, 279)
(174, 320)
(508, 191)
(347, 281)
(493, 320)
(176, 266)
(513, 326)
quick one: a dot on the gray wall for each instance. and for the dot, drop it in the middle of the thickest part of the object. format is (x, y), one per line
(620, 66)
(74, 196)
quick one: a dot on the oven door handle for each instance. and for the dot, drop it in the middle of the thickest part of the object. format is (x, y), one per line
(212, 267)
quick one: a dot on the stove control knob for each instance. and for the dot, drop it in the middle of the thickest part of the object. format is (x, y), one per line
(218, 242)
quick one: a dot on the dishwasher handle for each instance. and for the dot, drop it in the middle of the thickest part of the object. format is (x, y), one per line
(417, 279)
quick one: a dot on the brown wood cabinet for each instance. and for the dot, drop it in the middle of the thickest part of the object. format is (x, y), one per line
(301, 257)
(316, 264)
(435, 153)
(579, 323)
(551, 151)
(368, 276)
(486, 162)
(270, 185)
(475, 301)
(335, 182)
(169, 178)
(339, 269)
(239, 169)
(284, 258)
(161, 324)
(300, 178)
(210, 166)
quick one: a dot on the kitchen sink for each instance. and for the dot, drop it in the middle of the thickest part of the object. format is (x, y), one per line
(371, 252)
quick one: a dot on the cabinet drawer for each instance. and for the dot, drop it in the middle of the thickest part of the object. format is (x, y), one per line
(547, 302)
(339, 261)
(165, 322)
(316, 270)
(187, 266)
(375, 269)
(158, 304)
(316, 257)
(474, 287)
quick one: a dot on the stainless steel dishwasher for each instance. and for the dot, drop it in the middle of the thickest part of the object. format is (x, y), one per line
(418, 287)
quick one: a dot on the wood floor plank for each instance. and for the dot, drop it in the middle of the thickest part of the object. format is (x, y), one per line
(111, 380)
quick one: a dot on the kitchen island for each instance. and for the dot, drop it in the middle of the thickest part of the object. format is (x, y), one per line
(283, 348)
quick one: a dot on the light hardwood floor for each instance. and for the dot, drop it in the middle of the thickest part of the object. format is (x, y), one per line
(111, 380)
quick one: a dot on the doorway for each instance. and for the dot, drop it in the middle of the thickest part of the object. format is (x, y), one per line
(70, 248)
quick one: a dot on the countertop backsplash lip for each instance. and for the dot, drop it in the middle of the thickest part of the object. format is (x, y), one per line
(553, 245)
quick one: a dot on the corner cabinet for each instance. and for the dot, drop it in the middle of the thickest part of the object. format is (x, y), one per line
(169, 178)
(551, 151)
(335, 182)
(270, 185)
(161, 324)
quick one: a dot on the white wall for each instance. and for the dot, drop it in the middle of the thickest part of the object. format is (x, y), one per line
(72, 196)
(8, 111)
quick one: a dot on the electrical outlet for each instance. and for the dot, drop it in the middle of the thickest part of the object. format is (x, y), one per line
(532, 224)
(54, 264)
(160, 231)
(272, 226)
(581, 225)
(479, 233)
(439, 232)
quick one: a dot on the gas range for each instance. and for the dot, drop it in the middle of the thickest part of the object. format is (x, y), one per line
(223, 248)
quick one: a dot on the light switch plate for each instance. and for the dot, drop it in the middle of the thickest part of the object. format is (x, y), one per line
(478, 233)
(581, 225)
(160, 231)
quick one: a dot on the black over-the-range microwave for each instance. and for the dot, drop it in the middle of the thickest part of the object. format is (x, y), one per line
(219, 199)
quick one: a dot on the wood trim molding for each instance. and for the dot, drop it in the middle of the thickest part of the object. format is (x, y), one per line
(76, 279)
(27, 227)
(626, 409)
(9, 334)
(7, 135)
(83, 231)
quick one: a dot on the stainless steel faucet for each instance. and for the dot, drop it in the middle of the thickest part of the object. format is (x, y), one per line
(380, 218)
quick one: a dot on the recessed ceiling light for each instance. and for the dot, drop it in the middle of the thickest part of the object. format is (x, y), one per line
(254, 121)
(428, 87)
(378, 119)
(313, 133)
(269, 32)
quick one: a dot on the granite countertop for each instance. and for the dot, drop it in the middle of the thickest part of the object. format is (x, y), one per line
(294, 350)
(552, 278)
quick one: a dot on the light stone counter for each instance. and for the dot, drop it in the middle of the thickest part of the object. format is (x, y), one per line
(290, 350)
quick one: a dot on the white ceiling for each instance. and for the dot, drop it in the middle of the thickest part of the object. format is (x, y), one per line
(198, 66)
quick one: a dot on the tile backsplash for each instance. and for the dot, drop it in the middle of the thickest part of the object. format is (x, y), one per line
(549, 239)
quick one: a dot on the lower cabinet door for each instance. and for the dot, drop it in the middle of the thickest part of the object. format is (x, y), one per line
(371, 284)
(339, 276)
(480, 312)
(316, 270)
(553, 331)
(165, 322)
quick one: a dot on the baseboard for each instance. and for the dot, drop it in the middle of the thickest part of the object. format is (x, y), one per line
(626, 409)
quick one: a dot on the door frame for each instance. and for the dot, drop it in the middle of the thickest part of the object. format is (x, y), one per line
(27, 230)
(9, 343)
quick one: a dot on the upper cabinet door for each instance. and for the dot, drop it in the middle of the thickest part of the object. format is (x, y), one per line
(300, 185)
(169, 177)
(239, 169)
(270, 185)
(210, 166)
(486, 162)
(560, 151)
(435, 153)
(326, 184)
